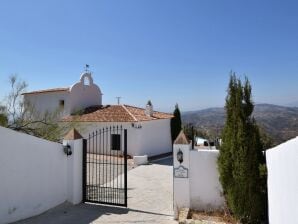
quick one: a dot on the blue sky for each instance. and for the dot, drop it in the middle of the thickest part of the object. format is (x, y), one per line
(165, 50)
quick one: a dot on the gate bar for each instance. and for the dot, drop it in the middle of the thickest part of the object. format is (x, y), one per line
(125, 167)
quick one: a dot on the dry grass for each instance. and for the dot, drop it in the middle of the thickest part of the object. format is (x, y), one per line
(216, 217)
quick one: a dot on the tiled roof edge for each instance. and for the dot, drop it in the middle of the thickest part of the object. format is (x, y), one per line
(129, 113)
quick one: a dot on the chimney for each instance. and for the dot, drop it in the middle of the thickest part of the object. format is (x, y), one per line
(149, 109)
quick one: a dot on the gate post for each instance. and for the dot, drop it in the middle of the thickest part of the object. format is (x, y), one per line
(74, 166)
(181, 165)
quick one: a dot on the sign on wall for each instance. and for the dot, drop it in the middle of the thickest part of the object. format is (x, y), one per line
(181, 172)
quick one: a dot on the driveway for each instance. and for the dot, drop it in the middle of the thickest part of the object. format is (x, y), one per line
(150, 200)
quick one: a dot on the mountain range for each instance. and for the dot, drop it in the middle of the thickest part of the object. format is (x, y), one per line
(279, 122)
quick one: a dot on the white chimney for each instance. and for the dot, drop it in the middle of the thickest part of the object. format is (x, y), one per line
(149, 109)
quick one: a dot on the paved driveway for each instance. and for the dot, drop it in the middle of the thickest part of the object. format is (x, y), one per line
(150, 200)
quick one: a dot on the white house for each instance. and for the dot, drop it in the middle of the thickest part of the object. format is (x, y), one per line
(149, 132)
(69, 100)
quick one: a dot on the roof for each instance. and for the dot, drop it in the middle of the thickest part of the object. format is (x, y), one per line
(181, 139)
(47, 91)
(115, 113)
(73, 134)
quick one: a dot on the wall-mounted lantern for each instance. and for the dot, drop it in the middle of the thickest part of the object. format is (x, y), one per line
(67, 149)
(180, 156)
(137, 126)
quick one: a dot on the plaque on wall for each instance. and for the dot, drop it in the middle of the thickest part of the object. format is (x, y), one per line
(181, 172)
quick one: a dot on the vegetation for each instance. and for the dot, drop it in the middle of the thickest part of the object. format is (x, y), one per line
(241, 162)
(176, 125)
(19, 115)
(280, 123)
(3, 116)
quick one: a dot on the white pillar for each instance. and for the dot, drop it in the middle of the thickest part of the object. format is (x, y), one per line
(75, 171)
(181, 175)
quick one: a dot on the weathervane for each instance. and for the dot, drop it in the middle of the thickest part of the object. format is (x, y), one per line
(87, 68)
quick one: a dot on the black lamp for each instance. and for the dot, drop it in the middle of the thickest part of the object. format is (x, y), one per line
(67, 149)
(180, 156)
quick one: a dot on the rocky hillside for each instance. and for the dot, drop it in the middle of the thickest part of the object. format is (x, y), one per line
(280, 123)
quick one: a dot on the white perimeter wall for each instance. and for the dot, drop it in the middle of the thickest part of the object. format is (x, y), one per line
(205, 188)
(35, 175)
(201, 190)
(153, 138)
(282, 165)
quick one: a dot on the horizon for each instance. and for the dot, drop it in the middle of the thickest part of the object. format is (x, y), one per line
(255, 104)
(168, 52)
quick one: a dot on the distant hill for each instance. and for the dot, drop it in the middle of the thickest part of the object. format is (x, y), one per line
(279, 122)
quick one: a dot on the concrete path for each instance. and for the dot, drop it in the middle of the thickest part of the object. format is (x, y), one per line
(150, 200)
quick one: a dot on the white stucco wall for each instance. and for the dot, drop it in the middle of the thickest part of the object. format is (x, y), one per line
(205, 188)
(82, 95)
(181, 185)
(43, 102)
(153, 138)
(201, 190)
(36, 175)
(282, 165)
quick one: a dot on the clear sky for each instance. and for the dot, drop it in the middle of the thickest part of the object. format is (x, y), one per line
(165, 50)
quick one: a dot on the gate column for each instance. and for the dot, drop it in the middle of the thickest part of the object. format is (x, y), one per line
(73, 148)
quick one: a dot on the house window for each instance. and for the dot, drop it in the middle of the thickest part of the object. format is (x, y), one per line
(61, 104)
(115, 142)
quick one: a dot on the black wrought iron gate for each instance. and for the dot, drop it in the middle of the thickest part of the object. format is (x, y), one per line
(105, 166)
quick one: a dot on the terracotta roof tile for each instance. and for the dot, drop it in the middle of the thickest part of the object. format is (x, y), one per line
(47, 91)
(115, 113)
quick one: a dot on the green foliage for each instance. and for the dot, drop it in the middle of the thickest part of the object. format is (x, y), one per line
(3, 120)
(3, 116)
(176, 123)
(241, 162)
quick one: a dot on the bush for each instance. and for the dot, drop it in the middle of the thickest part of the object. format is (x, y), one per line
(241, 156)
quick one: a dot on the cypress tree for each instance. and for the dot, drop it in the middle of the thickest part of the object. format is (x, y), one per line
(241, 156)
(176, 123)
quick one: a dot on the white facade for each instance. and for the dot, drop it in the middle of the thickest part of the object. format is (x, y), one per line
(145, 138)
(36, 175)
(282, 165)
(79, 96)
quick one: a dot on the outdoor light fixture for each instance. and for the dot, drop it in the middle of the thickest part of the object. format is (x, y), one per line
(137, 126)
(180, 156)
(67, 149)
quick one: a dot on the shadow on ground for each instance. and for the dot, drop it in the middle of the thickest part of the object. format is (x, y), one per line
(80, 214)
(149, 201)
(164, 161)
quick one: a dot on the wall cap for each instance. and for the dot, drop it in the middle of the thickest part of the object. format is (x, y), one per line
(181, 139)
(73, 134)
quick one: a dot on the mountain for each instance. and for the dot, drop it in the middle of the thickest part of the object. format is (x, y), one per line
(279, 122)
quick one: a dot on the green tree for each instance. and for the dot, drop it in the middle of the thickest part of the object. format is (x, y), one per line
(3, 116)
(176, 123)
(241, 159)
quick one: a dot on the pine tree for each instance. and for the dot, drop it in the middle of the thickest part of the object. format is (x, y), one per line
(176, 123)
(241, 156)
